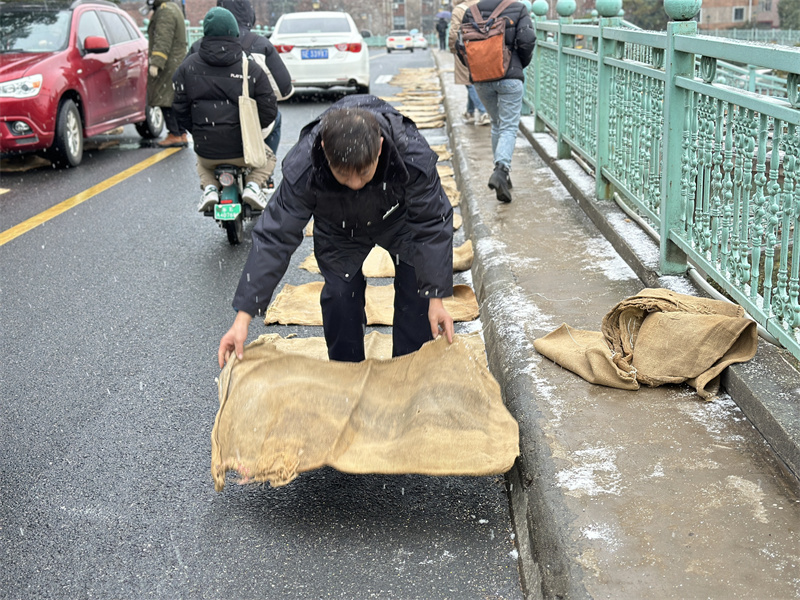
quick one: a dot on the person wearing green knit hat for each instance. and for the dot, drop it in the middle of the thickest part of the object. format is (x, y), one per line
(204, 85)
(220, 22)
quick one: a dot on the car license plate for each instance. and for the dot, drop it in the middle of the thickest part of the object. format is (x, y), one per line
(311, 53)
(400, 46)
(227, 212)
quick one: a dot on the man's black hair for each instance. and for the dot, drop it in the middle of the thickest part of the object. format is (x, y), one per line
(351, 139)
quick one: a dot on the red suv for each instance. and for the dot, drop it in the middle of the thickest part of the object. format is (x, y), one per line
(69, 71)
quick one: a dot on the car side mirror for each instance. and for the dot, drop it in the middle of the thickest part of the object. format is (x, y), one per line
(95, 44)
(365, 34)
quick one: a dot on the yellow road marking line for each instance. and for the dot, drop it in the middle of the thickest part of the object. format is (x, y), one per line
(4, 190)
(16, 231)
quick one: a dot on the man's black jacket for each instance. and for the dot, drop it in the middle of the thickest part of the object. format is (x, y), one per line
(403, 209)
(207, 89)
(520, 36)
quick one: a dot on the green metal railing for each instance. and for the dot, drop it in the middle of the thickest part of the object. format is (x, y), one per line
(713, 165)
(787, 37)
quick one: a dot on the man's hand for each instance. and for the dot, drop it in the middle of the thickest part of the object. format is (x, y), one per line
(153, 70)
(235, 338)
(440, 320)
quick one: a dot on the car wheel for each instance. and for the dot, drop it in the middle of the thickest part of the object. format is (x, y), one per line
(153, 125)
(412, 50)
(362, 89)
(388, 51)
(67, 149)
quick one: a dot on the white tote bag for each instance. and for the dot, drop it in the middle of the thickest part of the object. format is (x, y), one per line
(255, 153)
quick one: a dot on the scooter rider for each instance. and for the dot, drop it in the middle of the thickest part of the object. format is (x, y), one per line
(265, 54)
(367, 176)
(207, 87)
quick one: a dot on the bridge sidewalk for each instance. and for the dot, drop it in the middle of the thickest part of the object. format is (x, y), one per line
(616, 494)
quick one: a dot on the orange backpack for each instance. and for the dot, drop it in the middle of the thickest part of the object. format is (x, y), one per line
(483, 43)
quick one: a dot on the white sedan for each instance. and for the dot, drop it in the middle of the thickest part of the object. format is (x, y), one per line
(420, 41)
(322, 49)
(399, 39)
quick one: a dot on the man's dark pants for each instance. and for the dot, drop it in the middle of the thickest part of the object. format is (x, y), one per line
(344, 317)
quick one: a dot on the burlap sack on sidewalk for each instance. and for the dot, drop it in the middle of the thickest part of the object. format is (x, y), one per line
(657, 337)
(437, 411)
(299, 305)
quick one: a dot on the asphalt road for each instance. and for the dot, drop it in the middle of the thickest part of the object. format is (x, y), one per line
(111, 316)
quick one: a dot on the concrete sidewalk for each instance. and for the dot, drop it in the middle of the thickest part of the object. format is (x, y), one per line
(617, 494)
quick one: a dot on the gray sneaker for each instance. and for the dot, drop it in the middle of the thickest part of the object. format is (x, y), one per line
(483, 119)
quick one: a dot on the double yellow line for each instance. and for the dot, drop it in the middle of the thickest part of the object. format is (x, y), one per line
(16, 231)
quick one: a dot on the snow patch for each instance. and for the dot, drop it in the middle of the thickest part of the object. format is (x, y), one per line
(604, 258)
(594, 471)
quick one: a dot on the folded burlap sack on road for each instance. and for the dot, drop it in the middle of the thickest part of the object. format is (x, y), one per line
(379, 262)
(657, 337)
(437, 411)
(299, 305)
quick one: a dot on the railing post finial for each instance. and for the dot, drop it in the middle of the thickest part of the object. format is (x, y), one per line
(566, 8)
(540, 8)
(608, 8)
(682, 10)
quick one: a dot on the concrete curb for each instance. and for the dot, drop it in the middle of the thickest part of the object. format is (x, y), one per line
(537, 505)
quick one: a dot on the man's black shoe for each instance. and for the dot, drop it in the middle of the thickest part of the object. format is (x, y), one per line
(500, 182)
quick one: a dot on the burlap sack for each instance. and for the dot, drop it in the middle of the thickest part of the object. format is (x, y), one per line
(451, 190)
(434, 412)
(379, 262)
(299, 305)
(654, 338)
(377, 345)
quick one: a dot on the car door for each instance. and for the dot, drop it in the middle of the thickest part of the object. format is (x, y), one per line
(125, 74)
(95, 70)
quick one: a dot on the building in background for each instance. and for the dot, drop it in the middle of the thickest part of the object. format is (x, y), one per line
(726, 14)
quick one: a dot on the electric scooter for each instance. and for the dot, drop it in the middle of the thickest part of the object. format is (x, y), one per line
(230, 212)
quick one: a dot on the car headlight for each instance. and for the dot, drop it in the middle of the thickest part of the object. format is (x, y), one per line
(26, 87)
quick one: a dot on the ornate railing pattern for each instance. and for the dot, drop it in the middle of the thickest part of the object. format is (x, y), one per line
(712, 164)
(546, 84)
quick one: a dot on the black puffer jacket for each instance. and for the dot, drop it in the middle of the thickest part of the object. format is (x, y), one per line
(403, 209)
(207, 89)
(520, 36)
(253, 43)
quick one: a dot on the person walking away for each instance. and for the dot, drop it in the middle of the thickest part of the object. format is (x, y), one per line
(460, 71)
(441, 29)
(503, 97)
(207, 87)
(268, 59)
(367, 176)
(166, 41)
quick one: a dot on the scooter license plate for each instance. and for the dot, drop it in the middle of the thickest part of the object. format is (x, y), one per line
(227, 212)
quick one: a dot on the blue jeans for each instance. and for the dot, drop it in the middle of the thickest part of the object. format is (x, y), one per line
(473, 102)
(274, 137)
(503, 101)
